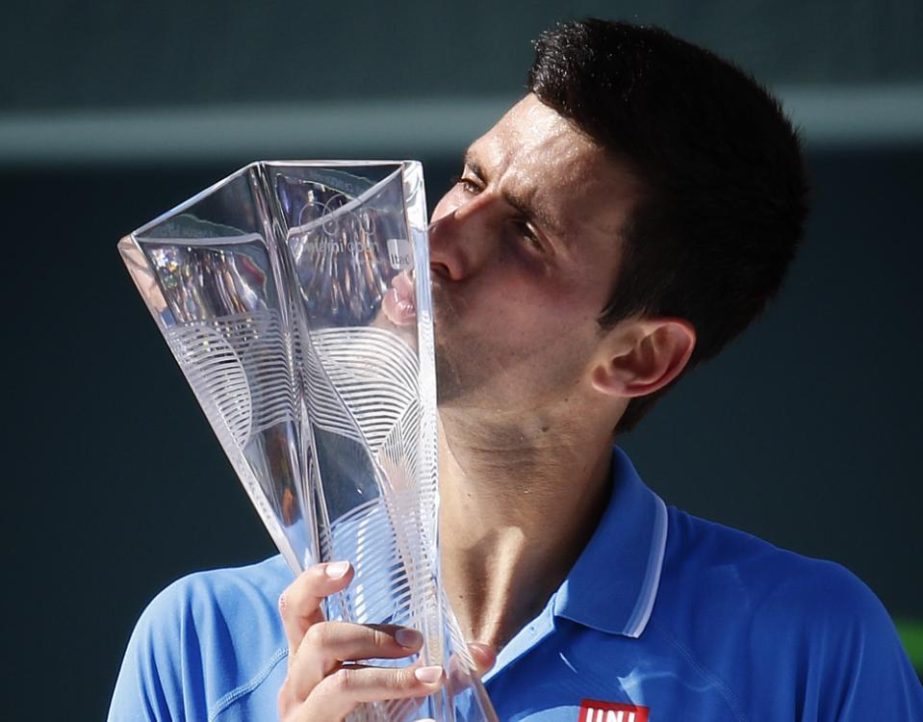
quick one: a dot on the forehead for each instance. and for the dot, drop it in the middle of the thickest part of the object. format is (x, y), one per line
(537, 154)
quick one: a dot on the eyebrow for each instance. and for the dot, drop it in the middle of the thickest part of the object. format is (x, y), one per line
(520, 204)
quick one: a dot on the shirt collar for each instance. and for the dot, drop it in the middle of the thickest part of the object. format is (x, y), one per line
(613, 585)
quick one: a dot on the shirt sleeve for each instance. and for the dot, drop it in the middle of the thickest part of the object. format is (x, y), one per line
(155, 682)
(210, 646)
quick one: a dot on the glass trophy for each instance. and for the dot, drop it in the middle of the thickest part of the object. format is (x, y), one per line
(295, 297)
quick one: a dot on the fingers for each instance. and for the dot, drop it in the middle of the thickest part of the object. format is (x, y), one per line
(323, 683)
(484, 657)
(460, 675)
(341, 692)
(300, 603)
(328, 644)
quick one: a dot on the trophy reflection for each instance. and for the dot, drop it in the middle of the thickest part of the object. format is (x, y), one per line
(295, 297)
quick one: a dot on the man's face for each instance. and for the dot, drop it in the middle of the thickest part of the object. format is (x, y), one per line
(525, 250)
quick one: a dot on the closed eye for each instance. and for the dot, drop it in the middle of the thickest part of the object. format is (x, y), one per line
(467, 184)
(528, 233)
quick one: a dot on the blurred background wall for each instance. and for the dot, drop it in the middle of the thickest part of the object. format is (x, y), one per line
(806, 431)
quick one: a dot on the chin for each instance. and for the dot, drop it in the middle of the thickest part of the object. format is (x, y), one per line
(449, 386)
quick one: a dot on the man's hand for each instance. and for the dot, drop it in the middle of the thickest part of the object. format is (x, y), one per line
(323, 683)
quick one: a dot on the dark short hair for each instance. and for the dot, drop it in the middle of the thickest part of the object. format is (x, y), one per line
(726, 193)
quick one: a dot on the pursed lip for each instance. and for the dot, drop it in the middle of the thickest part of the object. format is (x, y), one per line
(399, 304)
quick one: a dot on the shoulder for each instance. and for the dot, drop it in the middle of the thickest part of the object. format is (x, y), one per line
(226, 590)
(714, 564)
(201, 638)
(220, 607)
(807, 633)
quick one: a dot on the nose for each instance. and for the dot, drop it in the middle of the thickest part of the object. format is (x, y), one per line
(459, 235)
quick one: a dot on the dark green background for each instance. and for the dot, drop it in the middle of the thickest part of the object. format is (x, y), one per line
(804, 432)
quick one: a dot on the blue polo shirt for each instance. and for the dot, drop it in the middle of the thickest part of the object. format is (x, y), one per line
(664, 616)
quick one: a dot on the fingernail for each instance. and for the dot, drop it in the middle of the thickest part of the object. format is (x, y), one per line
(409, 638)
(336, 570)
(428, 675)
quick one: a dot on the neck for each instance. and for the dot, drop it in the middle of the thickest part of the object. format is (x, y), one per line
(519, 501)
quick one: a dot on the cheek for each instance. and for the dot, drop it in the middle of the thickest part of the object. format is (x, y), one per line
(521, 315)
(543, 300)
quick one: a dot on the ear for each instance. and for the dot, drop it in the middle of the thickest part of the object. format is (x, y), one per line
(641, 356)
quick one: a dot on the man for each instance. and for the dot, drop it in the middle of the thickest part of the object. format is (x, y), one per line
(620, 224)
